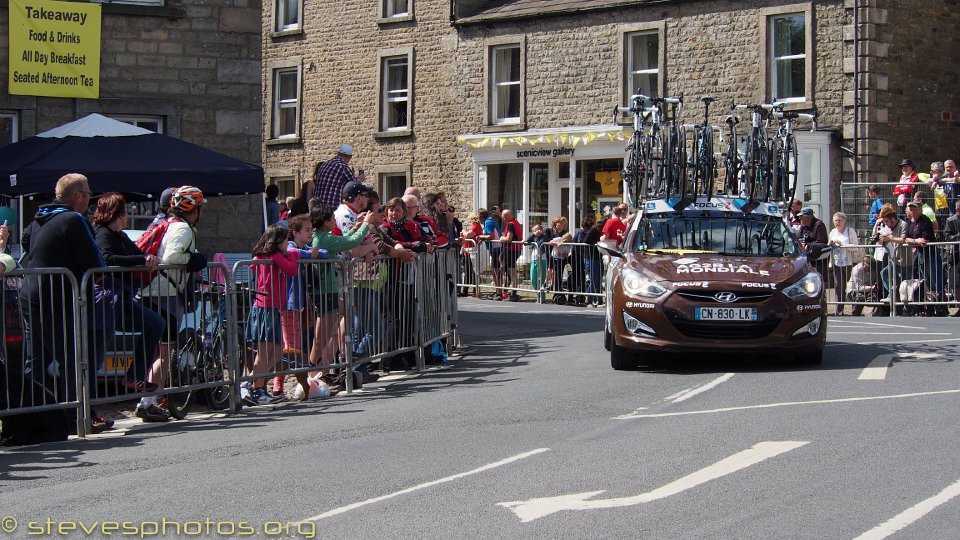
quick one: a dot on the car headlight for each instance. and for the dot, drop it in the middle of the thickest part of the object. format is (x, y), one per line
(809, 286)
(636, 284)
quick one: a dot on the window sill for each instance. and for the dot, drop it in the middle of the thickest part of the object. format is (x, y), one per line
(501, 128)
(798, 105)
(393, 134)
(393, 20)
(285, 33)
(282, 140)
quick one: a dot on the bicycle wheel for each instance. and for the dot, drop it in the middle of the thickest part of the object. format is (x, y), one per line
(678, 161)
(216, 368)
(706, 163)
(631, 173)
(658, 165)
(731, 166)
(750, 166)
(183, 362)
(790, 166)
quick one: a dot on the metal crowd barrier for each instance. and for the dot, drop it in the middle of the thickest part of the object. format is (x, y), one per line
(45, 300)
(855, 202)
(102, 346)
(567, 273)
(906, 281)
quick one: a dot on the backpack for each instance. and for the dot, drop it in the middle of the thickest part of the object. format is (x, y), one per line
(149, 242)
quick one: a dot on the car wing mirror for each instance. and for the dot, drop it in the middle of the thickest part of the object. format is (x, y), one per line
(610, 251)
(819, 252)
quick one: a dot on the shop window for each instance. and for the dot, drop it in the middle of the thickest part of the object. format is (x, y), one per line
(504, 186)
(643, 64)
(285, 90)
(9, 127)
(152, 123)
(788, 57)
(506, 84)
(286, 16)
(395, 92)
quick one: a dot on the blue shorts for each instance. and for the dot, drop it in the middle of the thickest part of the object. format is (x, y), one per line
(264, 325)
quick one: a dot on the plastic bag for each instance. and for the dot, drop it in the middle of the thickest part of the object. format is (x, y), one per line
(318, 389)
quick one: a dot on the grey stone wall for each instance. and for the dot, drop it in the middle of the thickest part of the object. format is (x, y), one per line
(920, 41)
(573, 78)
(198, 65)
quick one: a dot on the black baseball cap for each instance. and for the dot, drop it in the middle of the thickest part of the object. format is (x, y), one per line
(354, 189)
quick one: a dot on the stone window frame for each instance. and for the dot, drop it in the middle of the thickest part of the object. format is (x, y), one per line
(14, 118)
(274, 69)
(122, 108)
(275, 176)
(380, 172)
(151, 3)
(384, 16)
(490, 123)
(767, 15)
(138, 119)
(383, 56)
(294, 29)
(625, 32)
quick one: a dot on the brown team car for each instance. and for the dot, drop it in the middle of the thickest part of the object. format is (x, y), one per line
(712, 277)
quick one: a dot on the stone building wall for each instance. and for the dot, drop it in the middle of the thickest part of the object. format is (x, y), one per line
(338, 51)
(573, 78)
(196, 64)
(920, 41)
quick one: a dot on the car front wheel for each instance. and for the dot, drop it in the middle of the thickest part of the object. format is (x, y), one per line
(620, 358)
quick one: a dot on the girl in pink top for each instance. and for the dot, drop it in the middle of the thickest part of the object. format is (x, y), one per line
(264, 325)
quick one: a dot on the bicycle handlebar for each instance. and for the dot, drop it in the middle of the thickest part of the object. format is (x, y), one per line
(795, 115)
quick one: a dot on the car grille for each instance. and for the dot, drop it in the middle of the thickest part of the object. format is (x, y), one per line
(708, 296)
(724, 330)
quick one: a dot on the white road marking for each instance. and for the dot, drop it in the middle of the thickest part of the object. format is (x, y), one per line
(687, 394)
(900, 333)
(889, 325)
(632, 416)
(532, 509)
(877, 369)
(911, 514)
(354, 506)
(902, 342)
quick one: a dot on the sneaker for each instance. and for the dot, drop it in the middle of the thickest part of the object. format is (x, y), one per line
(151, 413)
(261, 397)
(99, 424)
(246, 396)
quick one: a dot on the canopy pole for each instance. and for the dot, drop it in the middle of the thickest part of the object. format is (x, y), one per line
(263, 202)
(20, 222)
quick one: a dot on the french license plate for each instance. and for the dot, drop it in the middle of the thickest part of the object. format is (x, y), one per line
(724, 314)
(118, 363)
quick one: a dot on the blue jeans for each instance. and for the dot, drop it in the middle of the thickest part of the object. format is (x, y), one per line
(593, 268)
(367, 321)
(136, 318)
(929, 266)
(885, 278)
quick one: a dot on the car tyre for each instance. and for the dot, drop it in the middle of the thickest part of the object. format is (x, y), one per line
(607, 339)
(622, 359)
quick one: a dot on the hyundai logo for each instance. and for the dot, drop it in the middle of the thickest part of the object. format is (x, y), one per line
(725, 297)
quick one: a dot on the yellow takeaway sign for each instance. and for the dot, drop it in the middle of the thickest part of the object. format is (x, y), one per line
(54, 48)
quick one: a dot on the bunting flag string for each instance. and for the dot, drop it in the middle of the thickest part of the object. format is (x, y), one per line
(574, 138)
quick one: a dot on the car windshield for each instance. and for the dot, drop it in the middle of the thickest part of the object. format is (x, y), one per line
(724, 234)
